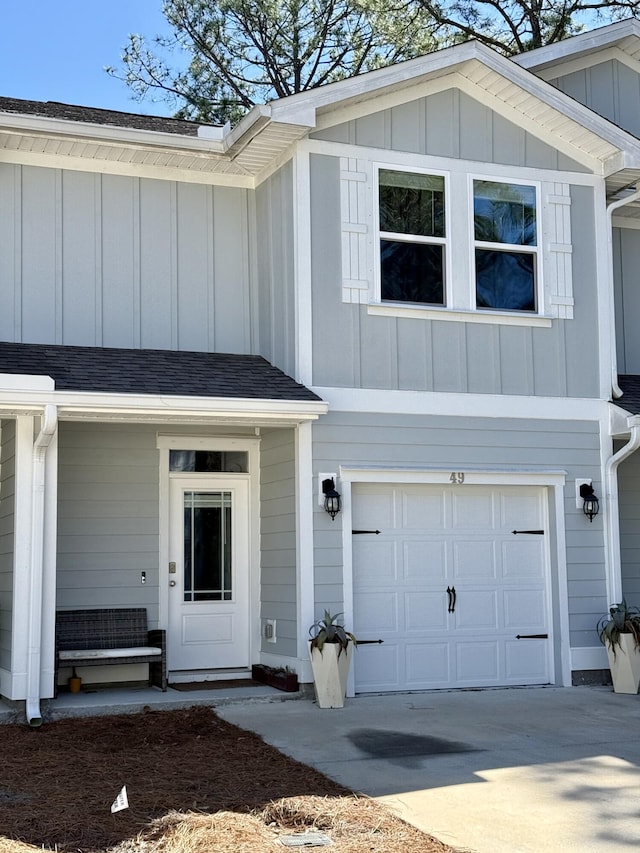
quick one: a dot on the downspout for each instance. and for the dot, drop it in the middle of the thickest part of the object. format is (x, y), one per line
(616, 390)
(48, 428)
(611, 485)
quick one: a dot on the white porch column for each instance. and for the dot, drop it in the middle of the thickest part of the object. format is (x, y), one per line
(304, 545)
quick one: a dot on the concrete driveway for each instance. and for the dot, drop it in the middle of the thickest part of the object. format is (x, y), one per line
(493, 771)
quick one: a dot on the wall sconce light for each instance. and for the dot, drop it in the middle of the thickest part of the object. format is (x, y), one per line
(332, 502)
(591, 505)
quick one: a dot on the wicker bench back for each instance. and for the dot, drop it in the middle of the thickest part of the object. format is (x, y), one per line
(111, 628)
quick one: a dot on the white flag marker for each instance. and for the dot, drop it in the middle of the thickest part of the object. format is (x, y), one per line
(121, 801)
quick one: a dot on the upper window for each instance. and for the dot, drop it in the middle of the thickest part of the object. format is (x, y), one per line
(412, 237)
(505, 232)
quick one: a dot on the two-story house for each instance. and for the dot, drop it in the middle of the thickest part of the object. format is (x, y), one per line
(418, 283)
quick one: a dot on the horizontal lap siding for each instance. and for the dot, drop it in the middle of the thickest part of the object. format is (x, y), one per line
(105, 260)
(278, 581)
(7, 522)
(108, 517)
(453, 444)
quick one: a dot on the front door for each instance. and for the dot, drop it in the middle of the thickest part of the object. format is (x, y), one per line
(208, 574)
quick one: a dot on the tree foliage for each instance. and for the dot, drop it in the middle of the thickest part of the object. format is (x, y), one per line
(515, 26)
(233, 54)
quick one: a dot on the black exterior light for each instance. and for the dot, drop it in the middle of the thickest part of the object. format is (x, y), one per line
(591, 505)
(331, 498)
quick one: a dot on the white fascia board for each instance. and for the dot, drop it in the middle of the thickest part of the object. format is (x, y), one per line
(77, 405)
(620, 421)
(79, 130)
(464, 405)
(589, 42)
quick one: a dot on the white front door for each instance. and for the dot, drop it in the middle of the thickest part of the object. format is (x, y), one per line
(459, 599)
(208, 574)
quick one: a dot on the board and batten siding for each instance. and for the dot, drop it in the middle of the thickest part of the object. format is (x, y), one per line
(626, 263)
(455, 444)
(610, 88)
(275, 264)
(449, 124)
(108, 521)
(278, 581)
(104, 260)
(352, 348)
(7, 537)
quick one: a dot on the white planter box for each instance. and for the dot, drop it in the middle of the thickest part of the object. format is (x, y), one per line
(625, 665)
(330, 672)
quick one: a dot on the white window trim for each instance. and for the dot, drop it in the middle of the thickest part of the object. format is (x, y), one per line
(536, 250)
(360, 239)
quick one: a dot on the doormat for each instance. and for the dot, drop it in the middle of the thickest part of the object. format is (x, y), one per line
(215, 685)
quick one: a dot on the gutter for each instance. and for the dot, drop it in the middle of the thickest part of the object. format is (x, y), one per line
(47, 431)
(616, 390)
(613, 522)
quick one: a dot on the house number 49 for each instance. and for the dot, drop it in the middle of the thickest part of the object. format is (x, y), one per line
(456, 477)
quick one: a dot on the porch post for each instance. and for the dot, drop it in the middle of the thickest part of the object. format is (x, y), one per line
(304, 543)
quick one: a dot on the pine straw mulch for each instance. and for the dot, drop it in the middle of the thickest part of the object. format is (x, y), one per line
(195, 784)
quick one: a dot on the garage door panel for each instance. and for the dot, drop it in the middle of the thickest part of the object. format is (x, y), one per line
(427, 665)
(425, 560)
(477, 662)
(523, 558)
(519, 511)
(423, 511)
(375, 563)
(425, 611)
(378, 668)
(374, 510)
(526, 659)
(477, 610)
(378, 612)
(458, 537)
(473, 510)
(524, 610)
(474, 559)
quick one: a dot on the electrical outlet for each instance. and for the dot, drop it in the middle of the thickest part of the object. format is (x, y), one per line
(270, 630)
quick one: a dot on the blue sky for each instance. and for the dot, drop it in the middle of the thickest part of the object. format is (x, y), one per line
(56, 51)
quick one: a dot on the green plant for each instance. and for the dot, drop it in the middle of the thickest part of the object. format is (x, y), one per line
(328, 630)
(621, 619)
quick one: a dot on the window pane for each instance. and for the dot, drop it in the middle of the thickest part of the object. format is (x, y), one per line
(209, 461)
(412, 272)
(411, 204)
(505, 280)
(504, 213)
(207, 546)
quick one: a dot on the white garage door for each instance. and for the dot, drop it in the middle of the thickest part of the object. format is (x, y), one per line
(457, 597)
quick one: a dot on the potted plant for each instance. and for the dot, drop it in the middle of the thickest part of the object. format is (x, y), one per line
(330, 648)
(619, 631)
(281, 677)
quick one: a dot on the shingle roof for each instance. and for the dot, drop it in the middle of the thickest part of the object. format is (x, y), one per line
(630, 400)
(93, 115)
(144, 371)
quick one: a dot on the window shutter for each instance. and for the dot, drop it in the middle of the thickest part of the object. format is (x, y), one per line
(356, 212)
(557, 250)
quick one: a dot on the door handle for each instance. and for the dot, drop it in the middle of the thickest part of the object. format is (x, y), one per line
(449, 599)
(455, 598)
(172, 583)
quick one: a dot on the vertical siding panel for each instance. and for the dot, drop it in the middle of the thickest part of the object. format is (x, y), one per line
(119, 268)
(538, 154)
(627, 94)
(194, 284)
(483, 359)
(378, 352)
(476, 130)
(549, 352)
(79, 280)
(449, 356)
(405, 127)
(231, 270)
(442, 124)
(156, 264)
(516, 353)
(629, 308)
(10, 255)
(620, 316)
(602, 89)
(370, 130)
(508, 142)
(39, 255)
(415, 367)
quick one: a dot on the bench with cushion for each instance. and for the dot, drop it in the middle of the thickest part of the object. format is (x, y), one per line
(113, 635)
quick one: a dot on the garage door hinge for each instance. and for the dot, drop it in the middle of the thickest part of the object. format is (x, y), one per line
(536, 532)
(356, 532)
